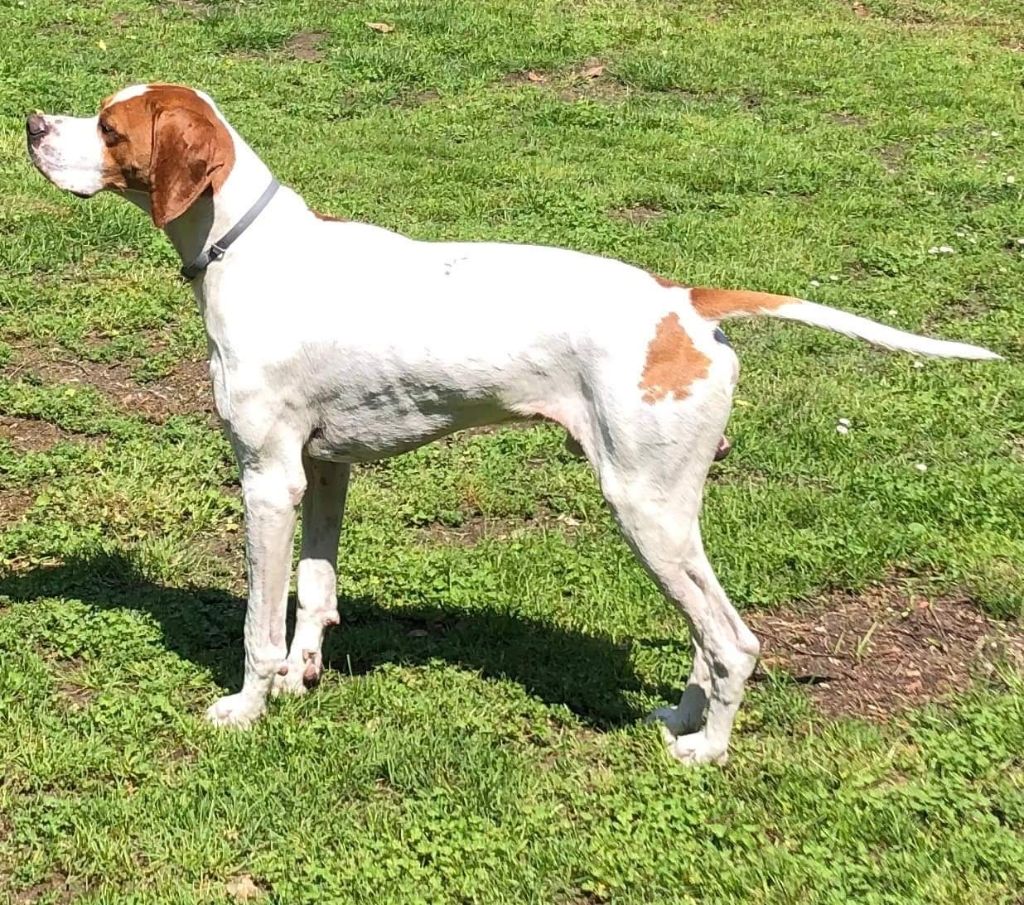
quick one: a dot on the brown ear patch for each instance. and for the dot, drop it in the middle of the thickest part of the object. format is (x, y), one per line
(180, 171)
(673, 363)
(169, 142)
(714, 304)
(192, 152)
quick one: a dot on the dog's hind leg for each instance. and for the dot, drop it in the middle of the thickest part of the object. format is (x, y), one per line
(652, 464)
(688, 716)
(322, 510)
(663, 532)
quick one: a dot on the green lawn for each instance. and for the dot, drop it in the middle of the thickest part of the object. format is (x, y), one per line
(479, 733)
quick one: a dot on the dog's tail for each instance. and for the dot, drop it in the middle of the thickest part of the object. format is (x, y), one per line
(718, 304)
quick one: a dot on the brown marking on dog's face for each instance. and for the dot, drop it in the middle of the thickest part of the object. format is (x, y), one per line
(167, 142)
(329, 218)
(714, 304)
(673, 362)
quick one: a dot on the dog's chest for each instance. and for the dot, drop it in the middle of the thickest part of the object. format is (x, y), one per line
(219, 382)
(349, 398)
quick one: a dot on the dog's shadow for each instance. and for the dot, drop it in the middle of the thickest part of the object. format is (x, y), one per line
(590, 674)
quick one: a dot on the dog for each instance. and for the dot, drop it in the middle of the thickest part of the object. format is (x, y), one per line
(332, 343)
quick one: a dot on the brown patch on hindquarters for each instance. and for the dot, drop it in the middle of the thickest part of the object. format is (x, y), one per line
(714, 304)
(673, 362)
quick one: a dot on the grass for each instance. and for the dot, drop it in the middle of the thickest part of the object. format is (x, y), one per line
(478, 736)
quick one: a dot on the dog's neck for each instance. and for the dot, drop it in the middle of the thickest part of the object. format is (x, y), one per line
(214, 213)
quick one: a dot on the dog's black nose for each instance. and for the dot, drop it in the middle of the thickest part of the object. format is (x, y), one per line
(36, 127)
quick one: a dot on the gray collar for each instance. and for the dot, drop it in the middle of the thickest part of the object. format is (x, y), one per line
(216, 251)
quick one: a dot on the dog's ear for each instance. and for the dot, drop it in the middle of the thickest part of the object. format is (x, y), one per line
(185, 155)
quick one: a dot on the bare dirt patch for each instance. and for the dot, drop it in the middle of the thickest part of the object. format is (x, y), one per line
(54, 890)
(878, 653)
(586, 80)
(638, 214)
(306, 46)
(30, 434)
(892, 156)
(470, 532)
(75, 697)
(842, 118)
(591, 81)
(71, 693)
(194, 7)
(244, 888)
(186, 390)
(527, 77)
(417, 98)
(13, 505)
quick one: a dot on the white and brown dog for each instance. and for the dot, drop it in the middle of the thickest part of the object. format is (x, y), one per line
(334, 342)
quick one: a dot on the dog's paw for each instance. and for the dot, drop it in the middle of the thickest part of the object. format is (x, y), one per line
(301, 676)
(238, 711)
(696, 748)
(289, 684)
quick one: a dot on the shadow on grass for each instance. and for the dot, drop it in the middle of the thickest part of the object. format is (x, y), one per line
(589, 674)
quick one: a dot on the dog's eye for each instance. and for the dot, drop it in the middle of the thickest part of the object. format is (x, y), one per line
(106, 128)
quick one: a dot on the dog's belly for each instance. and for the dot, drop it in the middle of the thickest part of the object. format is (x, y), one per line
(378, 429)
(369, 445)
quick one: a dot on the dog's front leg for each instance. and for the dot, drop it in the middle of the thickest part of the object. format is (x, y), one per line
(322, 510)
(271, 490)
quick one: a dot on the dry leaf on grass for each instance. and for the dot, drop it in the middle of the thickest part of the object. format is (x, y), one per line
(243, 888)
(382, 27)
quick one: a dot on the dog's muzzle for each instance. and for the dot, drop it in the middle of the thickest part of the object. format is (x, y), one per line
(36, 129)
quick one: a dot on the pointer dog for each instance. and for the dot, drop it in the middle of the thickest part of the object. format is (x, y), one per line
(334, 342)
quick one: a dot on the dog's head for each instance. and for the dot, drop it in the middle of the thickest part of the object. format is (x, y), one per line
(167, 144)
